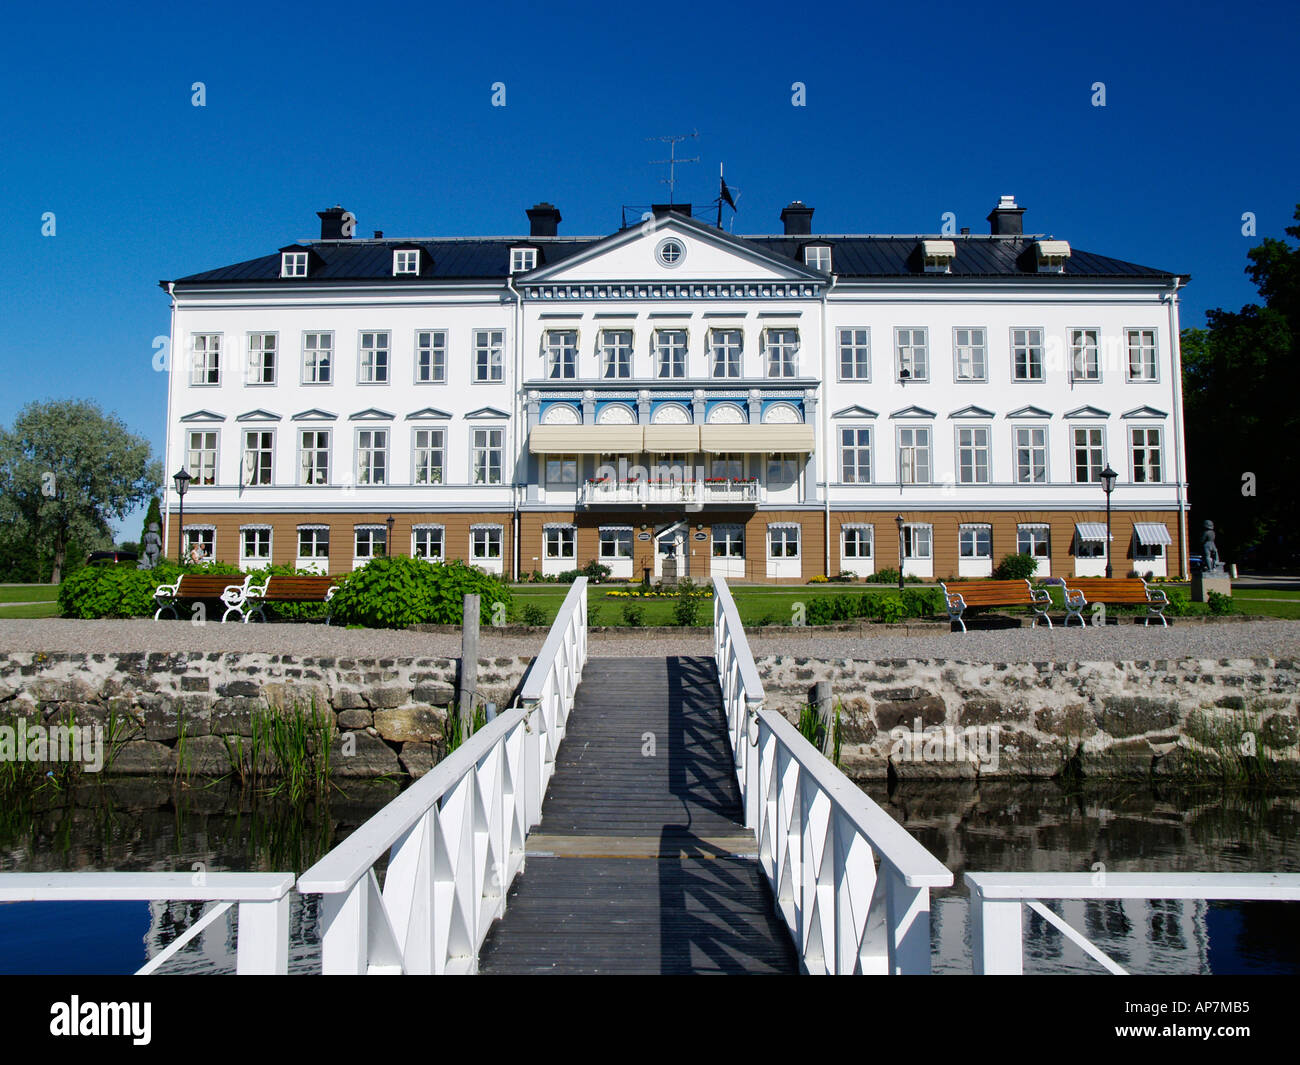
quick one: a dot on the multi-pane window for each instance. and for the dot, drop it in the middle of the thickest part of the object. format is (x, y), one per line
(970, 354)
(372, 365)
(855, 354)
(486, 449)
(725, 352)
(1027, 354)
(560, 542)
(317, 358)
(857, 541)
(314, 456)
(201, 456)
(1031, 454)
(727, 465)
(484, 542)
(1141, 354)
(1146, 455)
(406, 262)
(616, 353)
(522, 259)
(261, 358)
(918, 541)
(561, 471)
(371, 541)
(914, 455)
(818, 257)
(783, 541)
(313, 541)
(431, 356)
(372, 456)
(670, 353)
(1033, 540)
(202, 537)
(782, 353)
(1085, 355)
(488, 345)
(973, 454)
(1088, 454)
(205, 359)
(561, 353)
(616, 542)
(293, 264)
(429, 457)
(782, 469)
(255, 543)
(855, 456)
(975, 541)
(258, 450)
(427, 542)
(913, 354)
(728, 541)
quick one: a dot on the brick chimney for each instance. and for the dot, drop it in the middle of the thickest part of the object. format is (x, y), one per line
(797, 218)
(332, 223)
(543, 220)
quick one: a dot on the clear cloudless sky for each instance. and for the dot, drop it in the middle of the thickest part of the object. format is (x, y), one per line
(912, 110)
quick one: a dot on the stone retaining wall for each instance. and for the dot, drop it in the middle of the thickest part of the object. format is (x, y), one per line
(1107, 719)
(387, 715)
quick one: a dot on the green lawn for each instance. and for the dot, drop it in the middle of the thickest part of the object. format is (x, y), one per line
(1272, 608)
(39, 610)
(28, 593)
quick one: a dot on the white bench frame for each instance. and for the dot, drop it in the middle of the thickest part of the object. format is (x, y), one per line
(956, 604)
(1076, 600)
(167, 596)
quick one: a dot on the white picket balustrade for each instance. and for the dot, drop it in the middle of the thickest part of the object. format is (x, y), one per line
(851, 883)
(454, 838)
(262, 898)
(997, 899)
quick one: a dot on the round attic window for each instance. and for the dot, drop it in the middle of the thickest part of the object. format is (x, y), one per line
(670, 252)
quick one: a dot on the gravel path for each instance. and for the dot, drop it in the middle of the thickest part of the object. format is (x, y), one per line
(1255, 639)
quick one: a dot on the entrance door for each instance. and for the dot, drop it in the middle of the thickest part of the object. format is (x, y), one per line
(671, 543)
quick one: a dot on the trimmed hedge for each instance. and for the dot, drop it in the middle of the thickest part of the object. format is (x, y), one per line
(875, 606)
(122, 591)
(392, 593)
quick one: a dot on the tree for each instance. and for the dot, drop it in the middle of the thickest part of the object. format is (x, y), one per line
(67, 470)
(153, 517)
(1240, 381)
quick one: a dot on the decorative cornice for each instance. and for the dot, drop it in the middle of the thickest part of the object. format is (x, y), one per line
(673, 290)
(314, 415)
(258, 415)
(204, 416)
(1087, 412)
(487, 412)
(428, 414)
(1029, 412)
(371, 414)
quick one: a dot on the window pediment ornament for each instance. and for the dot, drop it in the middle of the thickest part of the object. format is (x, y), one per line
(562, 414)
(671, 414)
(727, 414)
(782, 414)
(616, 414)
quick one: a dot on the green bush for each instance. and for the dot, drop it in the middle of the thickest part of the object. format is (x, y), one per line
(686, 611)
(828, 609)
(532, 614)
(123, 591)
(890, 576)
(885, 607)
(1016, 568)
(1179, 605)
(921, 602)
(394, 592)
(290, 611)
(596, 571)
(633, 615)
(1219, 603)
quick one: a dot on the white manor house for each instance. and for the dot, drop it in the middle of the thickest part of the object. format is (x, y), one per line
(767, 408)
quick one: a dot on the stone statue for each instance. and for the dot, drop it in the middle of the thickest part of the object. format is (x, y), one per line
(152, 548)
(1210, 561)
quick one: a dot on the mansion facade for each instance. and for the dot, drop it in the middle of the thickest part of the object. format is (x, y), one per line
(766, 408)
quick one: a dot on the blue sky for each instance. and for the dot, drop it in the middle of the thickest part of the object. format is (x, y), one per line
(386, 108)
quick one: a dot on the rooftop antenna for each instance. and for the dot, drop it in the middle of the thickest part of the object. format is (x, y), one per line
(672, 141)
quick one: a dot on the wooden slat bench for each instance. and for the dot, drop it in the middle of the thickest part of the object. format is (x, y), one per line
(190, 587)
(996, 593)
(300, 589)
(1115, 591)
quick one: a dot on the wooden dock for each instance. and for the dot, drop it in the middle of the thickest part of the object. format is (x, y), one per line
(641, 863)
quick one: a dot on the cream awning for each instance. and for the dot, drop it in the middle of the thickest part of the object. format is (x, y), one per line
(1091, 531)
(661, 438)
(584, 439)
(1152, 534)
(721, 439)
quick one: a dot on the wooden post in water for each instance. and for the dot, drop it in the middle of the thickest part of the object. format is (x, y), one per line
(468, 665)
(826, 713)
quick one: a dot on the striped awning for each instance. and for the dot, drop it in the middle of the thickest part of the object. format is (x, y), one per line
(724, 439)
(1152, 534)
(1093, 531)
(670, 438)
(584, 439)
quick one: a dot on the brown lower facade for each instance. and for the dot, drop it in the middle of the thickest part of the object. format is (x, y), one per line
(755, 545)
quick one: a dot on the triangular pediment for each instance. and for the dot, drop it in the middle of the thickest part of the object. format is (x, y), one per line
(315, 415)
(1144, 412)
(487, 412)
(913, 412)
(854, 411)
(1087, 412)
(204, 416)
(370, 414)
(971, 412)
(1030, 412)
(258, 415)
(428, 414)
(706, 254)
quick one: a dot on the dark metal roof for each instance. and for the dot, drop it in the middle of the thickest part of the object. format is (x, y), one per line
(853, 257)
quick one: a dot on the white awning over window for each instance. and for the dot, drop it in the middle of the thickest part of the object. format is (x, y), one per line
(671, 438)
(724, 439)
(939, 249)
(584, 439)
(1091, 531)
(1152, 534)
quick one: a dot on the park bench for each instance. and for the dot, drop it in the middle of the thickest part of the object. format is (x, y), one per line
(310, 589)
(229, 588)
(1115, 591)
(996, 593)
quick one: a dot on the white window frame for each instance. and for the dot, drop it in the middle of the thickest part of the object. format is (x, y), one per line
(561, 349)
(975, 534)
(911, 355)
(560, 543)
(256, 559)
(615, 354)
(486, 530)
(621, 537)
(1032, 449)
(976, 353)
(854, 341)
(1029, 347)
(781, 353)
(1033, 535)
(406, 262)
(561, 471)
(366, 450)
(668, 355)
(1080, 350)
(857, 447)
(431, 356)
(916, 535)
(731, 537)
(1074, 452)
(206, 532)
(315, 541)
(314, 451)
(205, 359)
(374, 359)
(724, 356)
(195, 468)
(260, 365)
(311, 358)
(293, 264)
(785, 530)
(522, 260)
(1147, 448)
(1154, 348)
(427, 533)
(489, 344)
(253, 478)
(976, 449)
(918, 450)
(374, 535)
(863, 534)
(486, 448)
(423, 448)
(818, 257)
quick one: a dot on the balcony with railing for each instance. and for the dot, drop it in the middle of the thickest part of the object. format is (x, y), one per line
(717, 491)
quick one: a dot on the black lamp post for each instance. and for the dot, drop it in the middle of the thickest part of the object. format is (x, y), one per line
(182, 478)
(388, 544)
(1108, 479)
(899, 522)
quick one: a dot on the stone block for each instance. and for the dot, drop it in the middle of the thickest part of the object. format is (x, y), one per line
(434, 694)
(386, 697)
(418, 758)
(370, 756)
(352, 719)
(205, 756)
(410, 724)
(142, 758)
(1127, 715)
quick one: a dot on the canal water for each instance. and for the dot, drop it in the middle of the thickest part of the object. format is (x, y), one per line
(993, 827)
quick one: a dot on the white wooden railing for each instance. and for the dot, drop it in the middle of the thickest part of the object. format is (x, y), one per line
(852, 885)
(997, 901)
(669, 492)
(455, 838)
(263, 901)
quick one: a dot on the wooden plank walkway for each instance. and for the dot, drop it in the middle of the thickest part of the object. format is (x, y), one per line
(642, 863)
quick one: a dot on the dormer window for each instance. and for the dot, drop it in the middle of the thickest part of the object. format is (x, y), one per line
(406, 261)
(937, 256)
(818, 257)
(293, 264)
(522, 260)
(1051, 255)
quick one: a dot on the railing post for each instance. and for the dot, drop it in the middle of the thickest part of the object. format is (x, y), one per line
(344, 946)
(996, 936)
(263, 945)
(751, 757)
(907, 927)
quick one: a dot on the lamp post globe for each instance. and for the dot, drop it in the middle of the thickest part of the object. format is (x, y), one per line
(182, 480)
